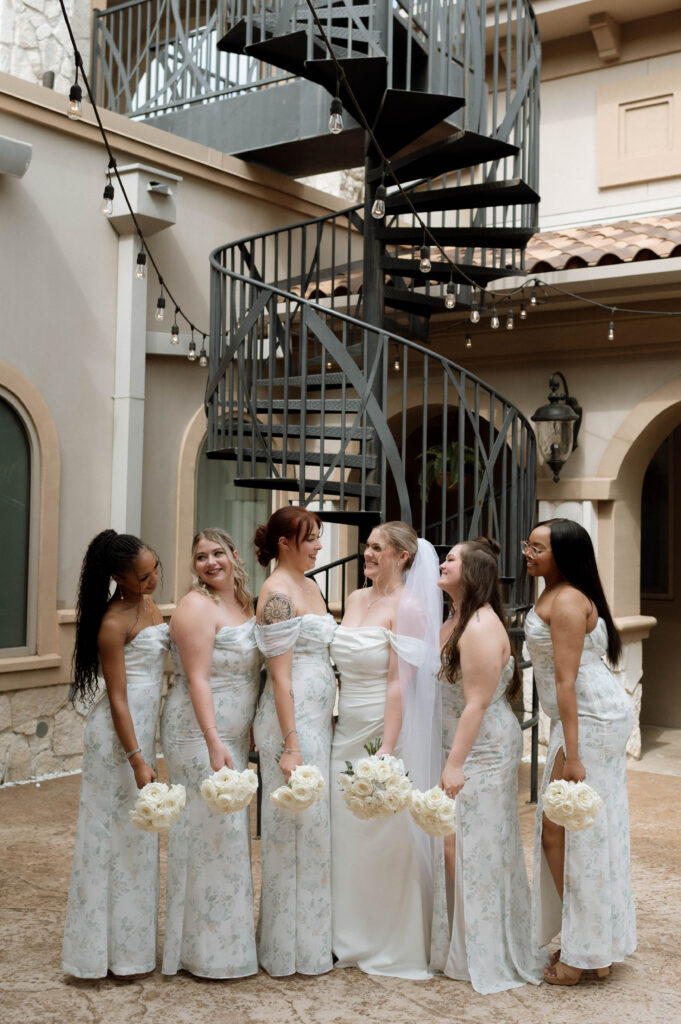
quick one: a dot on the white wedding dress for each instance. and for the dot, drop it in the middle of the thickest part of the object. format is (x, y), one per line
(381, 916)
(596, 920)
(113, 898)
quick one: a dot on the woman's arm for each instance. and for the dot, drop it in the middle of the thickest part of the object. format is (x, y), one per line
(568, 629)
(277, 606)
(392, 715)
(193, 629)
(111, 643)
(480, 671)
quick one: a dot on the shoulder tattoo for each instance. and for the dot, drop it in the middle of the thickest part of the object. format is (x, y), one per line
(277, 608)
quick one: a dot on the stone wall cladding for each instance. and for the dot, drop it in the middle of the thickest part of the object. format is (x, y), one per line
(34, 39)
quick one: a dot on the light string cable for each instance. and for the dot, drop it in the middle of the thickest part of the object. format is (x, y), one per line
(114, 168)
(387, 169)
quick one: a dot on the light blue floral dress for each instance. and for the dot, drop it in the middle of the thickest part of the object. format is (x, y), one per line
(596, 919)
(294, 928)
(112, 908)
(210, 928)
(491, 942)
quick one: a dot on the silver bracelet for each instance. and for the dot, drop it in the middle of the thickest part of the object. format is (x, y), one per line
(132, 753)
(288, 734)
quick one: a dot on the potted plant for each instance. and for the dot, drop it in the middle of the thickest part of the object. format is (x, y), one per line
(444, 466)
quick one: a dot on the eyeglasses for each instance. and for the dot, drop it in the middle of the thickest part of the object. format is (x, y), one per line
(530, 549)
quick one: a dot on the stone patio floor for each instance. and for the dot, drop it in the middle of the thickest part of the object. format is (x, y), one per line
(37, 829)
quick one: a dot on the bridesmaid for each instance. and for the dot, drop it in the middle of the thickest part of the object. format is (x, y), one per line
(205, 725)
(582, 884)
(294, 720)
(113, 897)
(381, 894)
(491, 932)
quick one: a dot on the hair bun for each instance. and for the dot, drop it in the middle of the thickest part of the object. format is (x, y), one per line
(492, 544)
(263, 550)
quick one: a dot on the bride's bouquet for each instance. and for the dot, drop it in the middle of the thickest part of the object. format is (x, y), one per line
(304, 787)
(574, 805)
(228, 790)
(158, 806)
(433, 811)
(375, 786)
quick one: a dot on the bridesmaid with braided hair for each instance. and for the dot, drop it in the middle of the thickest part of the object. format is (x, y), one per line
(113, 898)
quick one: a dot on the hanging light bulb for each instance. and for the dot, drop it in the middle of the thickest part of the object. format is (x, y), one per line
(396, 360)
(509, 319)
(424, 264)
(494, 319)
(523, 310)
(175, 331)
(329, 364)
(450, 296)
(533, 295)
(141, 269)
(336, 114)
(191, 354)
(469, 343)
(611, 330)
(203, 355)
(475, 312)
(378, 208)
(160, 306)
(107, 200)
(75, 107)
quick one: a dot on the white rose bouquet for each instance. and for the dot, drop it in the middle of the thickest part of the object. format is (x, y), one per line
(158, 806)
(574, 805)
(228, 790)
(304, 787)
(375, 786)
(433, 811)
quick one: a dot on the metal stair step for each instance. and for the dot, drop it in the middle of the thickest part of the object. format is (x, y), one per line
(462, 149)
(463, 238)
(365, 520)
(465, 197)
(413, 302)
(442, 271)
(333, 433)
(311, 405)
(332, 380)
(367, 76)
(288, 52)
(296, 457)
(405, 115)
(333, 487)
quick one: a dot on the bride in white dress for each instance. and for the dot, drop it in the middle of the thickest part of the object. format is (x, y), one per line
(381, 873)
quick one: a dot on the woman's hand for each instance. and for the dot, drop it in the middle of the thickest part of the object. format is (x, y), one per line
(384, 751)
(288, 761)
(144, 773)
(452, 780)
(573, 770)
(217, 752)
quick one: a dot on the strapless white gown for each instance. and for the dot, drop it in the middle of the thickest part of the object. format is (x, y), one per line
(380, 921)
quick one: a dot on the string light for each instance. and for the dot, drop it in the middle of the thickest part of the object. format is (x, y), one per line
(75, 107)
(107, 200)
(378, 207)
(203, 355)
(175, 330)
(523, 310)
(475, 312)
(611, 327)
(329, 364)
(450, 295)
(469, 342)
(396, 361)
(424, 264)
(509, 319)
(336, 112)
(141, 268)
(191, 354)
(533, 295)
(494, 319)
(160, 305)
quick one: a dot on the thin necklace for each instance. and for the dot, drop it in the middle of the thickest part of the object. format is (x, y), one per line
(380, 596)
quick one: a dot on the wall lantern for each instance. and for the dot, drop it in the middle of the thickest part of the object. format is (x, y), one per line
(558, 425)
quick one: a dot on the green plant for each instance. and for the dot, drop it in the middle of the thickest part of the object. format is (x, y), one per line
(441, 466)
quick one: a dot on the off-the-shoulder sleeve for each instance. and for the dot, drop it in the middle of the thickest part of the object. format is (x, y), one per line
(411, 649)
(277, 637)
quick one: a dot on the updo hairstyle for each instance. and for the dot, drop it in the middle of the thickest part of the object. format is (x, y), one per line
(292, 522)
(401, 537)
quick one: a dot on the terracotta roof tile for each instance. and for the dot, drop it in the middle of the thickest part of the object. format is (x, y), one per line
(598, 244)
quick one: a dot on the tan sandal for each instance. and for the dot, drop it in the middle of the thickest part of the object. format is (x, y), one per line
(562, 974)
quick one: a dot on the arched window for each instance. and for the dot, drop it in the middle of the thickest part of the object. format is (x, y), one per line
(18, 498)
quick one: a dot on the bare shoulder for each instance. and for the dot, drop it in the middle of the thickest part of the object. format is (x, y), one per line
(357, 599)
(113, 630)
(275, 604)
(194, 607)
(569, 603)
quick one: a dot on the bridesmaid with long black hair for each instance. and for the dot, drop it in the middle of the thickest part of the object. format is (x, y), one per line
(113, 897)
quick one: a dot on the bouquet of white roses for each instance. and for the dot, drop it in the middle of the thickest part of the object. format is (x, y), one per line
(158, 806)
(304, 787)
(228, 790)
(433, 811)
(574, 805)
(375, 786)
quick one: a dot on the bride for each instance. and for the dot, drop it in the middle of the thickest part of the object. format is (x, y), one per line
(385, 648)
